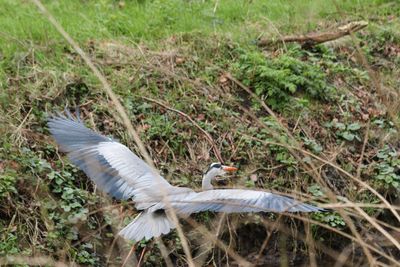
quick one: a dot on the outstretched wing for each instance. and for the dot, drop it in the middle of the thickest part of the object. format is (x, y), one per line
(111, 165)
(233, 201)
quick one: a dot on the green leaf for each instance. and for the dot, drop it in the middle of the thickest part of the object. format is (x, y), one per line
(353, 127)
(315, 190)
(340, 126)
(348, 136)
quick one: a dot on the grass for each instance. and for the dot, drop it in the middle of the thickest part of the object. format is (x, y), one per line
(334, 134)
(150, 21)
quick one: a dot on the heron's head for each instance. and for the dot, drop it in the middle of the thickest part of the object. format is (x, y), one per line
(217, 169)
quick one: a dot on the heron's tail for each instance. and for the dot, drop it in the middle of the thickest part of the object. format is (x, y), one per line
(147, 225)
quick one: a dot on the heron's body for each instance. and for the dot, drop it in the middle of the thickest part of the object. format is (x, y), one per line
(122, 174)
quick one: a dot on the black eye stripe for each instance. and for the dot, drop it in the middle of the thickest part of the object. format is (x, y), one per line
(214, 165)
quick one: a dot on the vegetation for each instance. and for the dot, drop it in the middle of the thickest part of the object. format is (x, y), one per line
(278, 79)
(331, 130)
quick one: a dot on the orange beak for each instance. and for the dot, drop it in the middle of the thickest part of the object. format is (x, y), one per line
(229, 168)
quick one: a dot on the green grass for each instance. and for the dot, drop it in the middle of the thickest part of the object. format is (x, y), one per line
(321, 95)
(23, 27)
(153, 20)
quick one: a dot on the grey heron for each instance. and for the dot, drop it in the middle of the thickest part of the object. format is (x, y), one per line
(119, 172)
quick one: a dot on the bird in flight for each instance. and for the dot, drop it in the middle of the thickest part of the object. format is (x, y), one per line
(119, 172)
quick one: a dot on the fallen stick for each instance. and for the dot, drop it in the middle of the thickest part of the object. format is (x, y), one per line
(314, 38)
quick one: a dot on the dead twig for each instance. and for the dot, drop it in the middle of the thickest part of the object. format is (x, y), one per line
(314, 38)
(141, 257)
(164, 252)
(358, 174)
(239, 259)
(206, 246)
(133, 248)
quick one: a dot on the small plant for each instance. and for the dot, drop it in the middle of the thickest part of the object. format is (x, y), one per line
(83, 256)
(8, 242)
(8, 175)
(7, 184)
(387, 168)
(316, 190)
(159, 126)
(283, 156)
(276, 80)
(385, 124)
(346, 132)
(313, 145)
(331, 218)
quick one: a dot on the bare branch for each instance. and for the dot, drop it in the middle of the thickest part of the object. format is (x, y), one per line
(314, 38)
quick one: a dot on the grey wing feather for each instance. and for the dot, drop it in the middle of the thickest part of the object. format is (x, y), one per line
(234, 201)
(72, 135)
(111, 165)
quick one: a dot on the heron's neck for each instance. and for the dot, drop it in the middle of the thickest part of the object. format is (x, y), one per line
(206, 183)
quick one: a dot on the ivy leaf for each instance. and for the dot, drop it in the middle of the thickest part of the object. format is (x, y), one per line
(316, 190)
(354, 126)
(382, 155)
(340, 126)
(348, 136)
